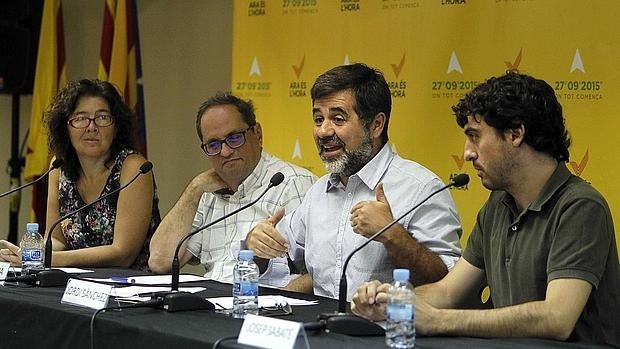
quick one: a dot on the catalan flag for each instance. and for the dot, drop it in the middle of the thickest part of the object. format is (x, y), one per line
(120, 61)
(50, 75)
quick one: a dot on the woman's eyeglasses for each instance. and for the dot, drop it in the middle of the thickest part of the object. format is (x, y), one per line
(233, 140)
(83, 120)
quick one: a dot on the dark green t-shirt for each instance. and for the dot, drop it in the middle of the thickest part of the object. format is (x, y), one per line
(567, 232)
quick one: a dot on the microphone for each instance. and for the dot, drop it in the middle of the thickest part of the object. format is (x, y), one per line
(178, 301)
(459, 180)
(55, 277)
(357, 326)
(55, 164)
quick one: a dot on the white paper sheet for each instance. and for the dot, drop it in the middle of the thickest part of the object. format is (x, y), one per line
(130, 291)
(150, 279)
(67, 270)
(263, 301)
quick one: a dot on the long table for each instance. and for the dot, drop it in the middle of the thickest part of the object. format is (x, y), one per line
(33, 317)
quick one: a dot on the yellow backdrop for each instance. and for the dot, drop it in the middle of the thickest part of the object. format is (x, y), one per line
(432, 52)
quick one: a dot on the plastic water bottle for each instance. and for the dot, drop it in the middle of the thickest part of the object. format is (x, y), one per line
(400, 330)
(32, 249)
(245, 285)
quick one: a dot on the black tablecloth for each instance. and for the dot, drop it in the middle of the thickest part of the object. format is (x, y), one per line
(33, 317)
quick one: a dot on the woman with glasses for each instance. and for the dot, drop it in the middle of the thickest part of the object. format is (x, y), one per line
(90, 128)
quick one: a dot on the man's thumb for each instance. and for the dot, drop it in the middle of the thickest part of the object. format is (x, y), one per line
(276, 216)
(380, 194)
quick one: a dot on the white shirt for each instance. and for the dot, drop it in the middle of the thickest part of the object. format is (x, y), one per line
(319, 230)
(213, 245)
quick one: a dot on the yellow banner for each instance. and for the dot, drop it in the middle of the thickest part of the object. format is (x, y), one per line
(432, 53)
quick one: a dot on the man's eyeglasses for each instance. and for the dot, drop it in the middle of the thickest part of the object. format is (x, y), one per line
(83, 120)
(233, 140)
(277, 309)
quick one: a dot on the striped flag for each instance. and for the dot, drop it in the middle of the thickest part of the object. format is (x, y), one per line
(50, 75)
(120, 61)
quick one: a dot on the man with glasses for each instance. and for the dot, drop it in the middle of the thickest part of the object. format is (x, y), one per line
(240, 170)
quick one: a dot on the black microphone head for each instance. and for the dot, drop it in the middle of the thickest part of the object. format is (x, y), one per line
(460, 180)
(276, 179)
(57, 163)
(146, 167)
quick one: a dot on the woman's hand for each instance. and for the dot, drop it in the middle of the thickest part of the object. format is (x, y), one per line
(10, 253)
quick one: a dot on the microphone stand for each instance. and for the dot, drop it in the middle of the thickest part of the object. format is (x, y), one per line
(56, 277)
(341, 321)
(179, 301)
(55, 164)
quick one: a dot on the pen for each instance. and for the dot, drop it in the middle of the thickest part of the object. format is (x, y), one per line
(124, 280)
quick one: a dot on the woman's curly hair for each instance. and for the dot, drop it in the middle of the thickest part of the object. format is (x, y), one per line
(63, 106)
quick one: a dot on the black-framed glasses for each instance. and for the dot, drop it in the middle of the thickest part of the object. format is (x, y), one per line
(83, 120)
(233, 140)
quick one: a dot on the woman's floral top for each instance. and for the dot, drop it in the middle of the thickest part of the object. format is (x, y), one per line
(95, 225)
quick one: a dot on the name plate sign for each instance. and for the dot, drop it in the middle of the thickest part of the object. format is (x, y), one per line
(4, 271)
(86, 294)
(269, 333)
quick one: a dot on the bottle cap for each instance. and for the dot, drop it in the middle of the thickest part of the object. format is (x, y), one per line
(30, 227)
(401, 274)
(246, 255)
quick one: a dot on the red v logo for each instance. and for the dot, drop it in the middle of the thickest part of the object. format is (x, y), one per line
(459, 160)
(515, 65)
(578, 168)
(299, 68)
(397, 68)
